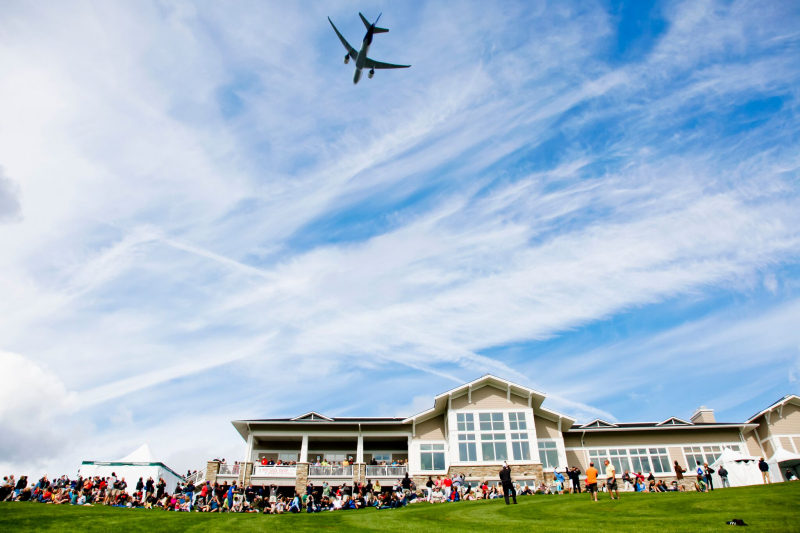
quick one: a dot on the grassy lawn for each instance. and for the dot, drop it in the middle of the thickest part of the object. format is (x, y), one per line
(770, 508)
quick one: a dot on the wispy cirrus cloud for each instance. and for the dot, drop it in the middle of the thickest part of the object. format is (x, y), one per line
(209, 202)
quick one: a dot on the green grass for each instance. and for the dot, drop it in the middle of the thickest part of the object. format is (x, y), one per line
(765, 508)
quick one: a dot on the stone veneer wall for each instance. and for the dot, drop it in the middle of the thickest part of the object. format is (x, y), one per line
(301, 480)
(531, 472)
(360, 473)
(212, 469)
(245, 473)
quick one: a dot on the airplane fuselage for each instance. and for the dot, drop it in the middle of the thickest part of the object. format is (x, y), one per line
(361, 60)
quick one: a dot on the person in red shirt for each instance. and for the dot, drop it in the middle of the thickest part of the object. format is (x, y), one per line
(263, 461)
(448, 486)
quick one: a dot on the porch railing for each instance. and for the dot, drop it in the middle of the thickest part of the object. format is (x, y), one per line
(275, 471)
(333, 471)
(386, 471)
(197, 477)
(228, 470)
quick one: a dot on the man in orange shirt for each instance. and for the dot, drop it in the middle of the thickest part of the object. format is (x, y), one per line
(591, 481)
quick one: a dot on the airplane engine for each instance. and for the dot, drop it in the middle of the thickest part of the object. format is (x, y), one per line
(371, 73)
(346, 59)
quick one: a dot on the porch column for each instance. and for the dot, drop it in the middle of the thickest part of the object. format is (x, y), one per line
(360, 449)
(304, 450)
(249, 456)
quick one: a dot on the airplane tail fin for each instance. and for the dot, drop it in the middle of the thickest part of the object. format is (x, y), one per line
(368, 25)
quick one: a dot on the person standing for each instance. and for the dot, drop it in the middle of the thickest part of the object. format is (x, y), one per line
(611, 480)
(508, 486)
(707, 471)
(559, 477)
(764, 467)
(723, 476)
(575, 476)
(591, 481)
(679, 473)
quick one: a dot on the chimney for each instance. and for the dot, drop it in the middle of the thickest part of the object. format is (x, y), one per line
(703, 415)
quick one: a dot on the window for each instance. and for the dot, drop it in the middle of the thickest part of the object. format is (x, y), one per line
(493, 446)
(491, 421)
(431, 456)
(548, 454)
(697, 455)
(467, 448)
(516, 421)
(619, 458)
(287, 457)
(520, 446)
(382, 457)
(465, 421)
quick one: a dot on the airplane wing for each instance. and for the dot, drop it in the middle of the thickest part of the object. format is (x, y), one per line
(378, 65)
(350, 50)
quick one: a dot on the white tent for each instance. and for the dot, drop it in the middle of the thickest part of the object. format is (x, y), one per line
(780, 461)
(742, 469)
(141, 463)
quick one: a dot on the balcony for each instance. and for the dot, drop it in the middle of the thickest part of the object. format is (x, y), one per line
(386, 471)
(275, 471)
(330, 471)
(228, 470)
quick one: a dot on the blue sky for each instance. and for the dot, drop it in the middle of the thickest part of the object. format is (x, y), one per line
(202, 219)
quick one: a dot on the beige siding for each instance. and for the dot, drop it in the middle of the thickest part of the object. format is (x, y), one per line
(669, 436)
(488, 397)
(768, 449)
(789, 423)
(796, 443)
(704, 417)
(752, 444)
(432, 429)
(577, 458)
(676, 454)
(786, 443)
(547, 429)
(762, 429)
(572, 440)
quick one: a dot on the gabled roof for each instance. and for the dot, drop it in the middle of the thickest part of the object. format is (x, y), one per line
(313, 415)
(789, 398)
(440, 401)
(598, 423)
(674, 421)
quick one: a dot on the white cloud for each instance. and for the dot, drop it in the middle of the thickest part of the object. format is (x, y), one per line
(517, 191)
(33, 403)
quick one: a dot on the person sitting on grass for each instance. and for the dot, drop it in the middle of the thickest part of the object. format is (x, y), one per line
(700, 484)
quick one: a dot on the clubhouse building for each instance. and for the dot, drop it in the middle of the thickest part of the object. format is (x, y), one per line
(474, 427)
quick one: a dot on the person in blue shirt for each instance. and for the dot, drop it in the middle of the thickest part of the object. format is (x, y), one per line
(295, 506)
(230, 496)
(559, 482)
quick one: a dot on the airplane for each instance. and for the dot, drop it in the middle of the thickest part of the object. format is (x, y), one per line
(360, 56)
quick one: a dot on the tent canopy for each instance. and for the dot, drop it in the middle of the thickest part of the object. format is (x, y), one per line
(782, 460)
(782, 455)
(143, 454)
(140, 463)
(730, 456)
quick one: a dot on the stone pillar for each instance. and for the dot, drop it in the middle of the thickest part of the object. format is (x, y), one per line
(301, 480)
(212, 469)
(360, 473)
